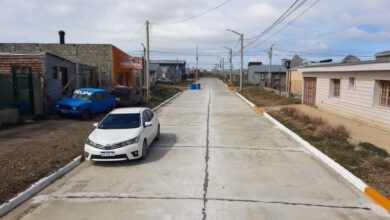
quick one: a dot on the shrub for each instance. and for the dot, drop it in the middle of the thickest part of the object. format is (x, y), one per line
(374, 150)
(328, 132)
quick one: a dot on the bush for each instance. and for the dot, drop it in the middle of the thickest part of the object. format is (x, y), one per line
(374, 150)
(328, 132)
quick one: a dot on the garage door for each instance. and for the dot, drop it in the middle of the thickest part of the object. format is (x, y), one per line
(309, 95)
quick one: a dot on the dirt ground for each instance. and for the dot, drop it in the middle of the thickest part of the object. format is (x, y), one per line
(264, 98)
(370, 163)
(358, 131)
(31, 151)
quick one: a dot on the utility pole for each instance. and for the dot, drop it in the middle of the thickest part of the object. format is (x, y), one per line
(197, 61)
(143, 66)
(230, 61)
(270, 62)
(222, 65)
(242, 55)
(147, 63)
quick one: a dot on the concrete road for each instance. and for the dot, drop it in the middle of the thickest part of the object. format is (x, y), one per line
(217, 159)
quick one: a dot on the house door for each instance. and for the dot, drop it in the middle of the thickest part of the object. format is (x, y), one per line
(23, 90)
(64, 78)
(309, 93)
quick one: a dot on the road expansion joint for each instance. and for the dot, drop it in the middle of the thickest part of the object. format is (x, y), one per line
(207, 157)
(258, 149)
(290, 203)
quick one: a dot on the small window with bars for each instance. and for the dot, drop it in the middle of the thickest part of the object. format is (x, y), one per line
(384, 96)
(335, 87)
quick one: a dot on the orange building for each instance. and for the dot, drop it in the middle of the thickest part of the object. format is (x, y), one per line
(123, 72)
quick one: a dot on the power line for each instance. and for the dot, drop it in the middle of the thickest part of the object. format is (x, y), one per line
(288, 24)
(196, 16)
(278, 21)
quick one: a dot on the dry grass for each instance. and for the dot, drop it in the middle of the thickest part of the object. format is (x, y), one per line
(265, 98)
(367, 161)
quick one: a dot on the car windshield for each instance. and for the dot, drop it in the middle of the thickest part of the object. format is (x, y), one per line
(121, 121)
(83, 95)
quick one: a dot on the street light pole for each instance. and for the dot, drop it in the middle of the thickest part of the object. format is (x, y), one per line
(147, 63)
(242, 55)
(230, 61)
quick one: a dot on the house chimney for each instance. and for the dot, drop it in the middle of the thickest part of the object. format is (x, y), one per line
(62, 37)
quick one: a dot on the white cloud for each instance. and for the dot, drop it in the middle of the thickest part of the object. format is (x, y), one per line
(329, 26)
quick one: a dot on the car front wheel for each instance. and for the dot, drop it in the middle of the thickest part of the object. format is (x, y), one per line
(144, 150)
(158, 134)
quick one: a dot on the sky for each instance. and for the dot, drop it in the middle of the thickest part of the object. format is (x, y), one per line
(330, 29)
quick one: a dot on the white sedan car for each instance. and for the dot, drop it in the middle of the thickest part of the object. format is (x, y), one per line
(124, 134)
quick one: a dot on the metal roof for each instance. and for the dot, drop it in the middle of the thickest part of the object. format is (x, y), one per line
(167, 61)
(265, 68)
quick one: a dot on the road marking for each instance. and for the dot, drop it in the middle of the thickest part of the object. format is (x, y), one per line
(378, 198)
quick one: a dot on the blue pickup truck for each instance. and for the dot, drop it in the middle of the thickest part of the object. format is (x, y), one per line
(85, 102)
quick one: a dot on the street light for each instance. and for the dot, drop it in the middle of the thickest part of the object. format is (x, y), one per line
(230, 60)
(223, 65)
(242, 54)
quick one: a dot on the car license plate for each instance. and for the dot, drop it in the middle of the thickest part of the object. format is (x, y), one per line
(107, 154)
(63, 111)
(117, 99)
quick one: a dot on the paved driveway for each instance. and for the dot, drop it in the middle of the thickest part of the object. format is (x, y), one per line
(217, 159)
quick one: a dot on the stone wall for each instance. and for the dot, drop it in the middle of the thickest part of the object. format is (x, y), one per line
(98, 55)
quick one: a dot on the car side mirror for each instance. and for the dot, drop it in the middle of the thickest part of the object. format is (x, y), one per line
(147, 124)
(95, 124)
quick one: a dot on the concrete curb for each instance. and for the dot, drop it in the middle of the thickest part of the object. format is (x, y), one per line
(166, 101)
(377, 197)
(37, 187)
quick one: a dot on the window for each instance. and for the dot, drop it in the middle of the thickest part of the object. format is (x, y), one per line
(55, 72)
(102, 95)
(144, 116)
(351, 83)
(335, 87)
(384, 93)
(150, 114)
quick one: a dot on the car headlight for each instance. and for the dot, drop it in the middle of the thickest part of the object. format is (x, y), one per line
(128, 142)
(91, 143)
(75, 108)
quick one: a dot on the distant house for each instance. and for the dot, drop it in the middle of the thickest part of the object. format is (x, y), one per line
(172, 69)
(258, 74)
(31, 82)
(358, 90)
(111, 62)
(350, 59)
(294, 74)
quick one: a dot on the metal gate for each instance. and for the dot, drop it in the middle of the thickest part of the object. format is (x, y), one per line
(309, 93)
(23, 90)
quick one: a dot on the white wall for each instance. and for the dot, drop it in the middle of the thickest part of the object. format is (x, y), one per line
(359, 103)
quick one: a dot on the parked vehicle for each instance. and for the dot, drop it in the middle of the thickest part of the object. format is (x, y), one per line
(164, 80)
(85, 102)
(126, 96)
(124, 134)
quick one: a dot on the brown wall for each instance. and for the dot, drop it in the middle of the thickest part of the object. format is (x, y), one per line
(128, 78)
(34, 61)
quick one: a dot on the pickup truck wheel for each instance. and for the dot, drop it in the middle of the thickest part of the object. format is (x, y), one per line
(86, 114)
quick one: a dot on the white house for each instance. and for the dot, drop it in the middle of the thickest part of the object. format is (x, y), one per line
(359, 90)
